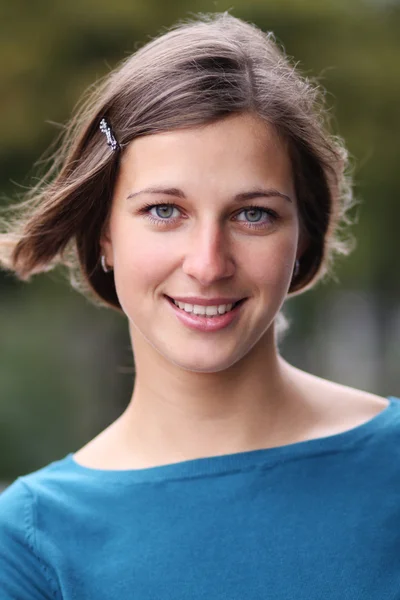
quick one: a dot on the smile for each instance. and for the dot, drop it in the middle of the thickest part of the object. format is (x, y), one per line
(203, 322)
(206, 311)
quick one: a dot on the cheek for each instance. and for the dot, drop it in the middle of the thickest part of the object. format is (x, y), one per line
(270, 263)
(271, 275)
(140, 262)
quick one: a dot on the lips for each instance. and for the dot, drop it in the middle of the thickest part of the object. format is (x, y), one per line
(203, 323)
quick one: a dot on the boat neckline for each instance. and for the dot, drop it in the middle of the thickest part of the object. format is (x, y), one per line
(249, 459)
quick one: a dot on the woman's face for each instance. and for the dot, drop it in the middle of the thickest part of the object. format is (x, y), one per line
(203, 240)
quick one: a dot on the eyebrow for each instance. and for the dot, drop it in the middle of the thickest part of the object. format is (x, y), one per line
(241, 197)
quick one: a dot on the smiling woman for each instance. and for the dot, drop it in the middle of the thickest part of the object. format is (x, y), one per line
(195, 192)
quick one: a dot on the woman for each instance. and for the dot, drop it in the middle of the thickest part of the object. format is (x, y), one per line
(197, 190)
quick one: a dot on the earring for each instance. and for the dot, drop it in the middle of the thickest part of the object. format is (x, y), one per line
(296, 268)
(104, 264)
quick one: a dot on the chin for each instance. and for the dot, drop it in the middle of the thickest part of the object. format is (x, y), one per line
(197, 360)
(205, 366)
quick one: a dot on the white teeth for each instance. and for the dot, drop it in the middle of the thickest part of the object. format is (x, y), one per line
(222, 308)
(209, 311)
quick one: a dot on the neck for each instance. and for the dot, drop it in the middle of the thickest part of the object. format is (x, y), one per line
(177, 415)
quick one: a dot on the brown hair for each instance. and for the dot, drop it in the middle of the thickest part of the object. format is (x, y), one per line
(199, 71)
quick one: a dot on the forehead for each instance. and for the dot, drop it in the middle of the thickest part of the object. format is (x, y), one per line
(233, 152)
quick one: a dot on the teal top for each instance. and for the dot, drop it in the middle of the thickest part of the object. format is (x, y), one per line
(315, 520)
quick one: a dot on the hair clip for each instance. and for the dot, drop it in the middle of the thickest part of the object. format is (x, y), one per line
(108, 132)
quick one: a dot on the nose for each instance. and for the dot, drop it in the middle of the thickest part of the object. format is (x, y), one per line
(208, 255)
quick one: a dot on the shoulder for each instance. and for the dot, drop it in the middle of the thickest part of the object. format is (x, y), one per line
(15, 504)
(32, 509)
(23, 572)
(20, 502)
(52, 487)
(16, 519)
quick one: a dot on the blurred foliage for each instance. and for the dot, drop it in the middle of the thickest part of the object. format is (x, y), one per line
(54, 393)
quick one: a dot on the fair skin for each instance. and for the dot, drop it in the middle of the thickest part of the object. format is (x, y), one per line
(208, 393)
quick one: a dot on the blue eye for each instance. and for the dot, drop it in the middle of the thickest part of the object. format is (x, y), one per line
(254, 216)
(253, 213)
(161, 209)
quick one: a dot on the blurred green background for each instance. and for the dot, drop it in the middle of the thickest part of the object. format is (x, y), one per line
(66, 366)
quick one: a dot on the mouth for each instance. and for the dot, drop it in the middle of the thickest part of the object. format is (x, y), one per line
(208, 323)
(217, 314)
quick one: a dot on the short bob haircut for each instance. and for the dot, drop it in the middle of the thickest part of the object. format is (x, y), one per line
(197, 72)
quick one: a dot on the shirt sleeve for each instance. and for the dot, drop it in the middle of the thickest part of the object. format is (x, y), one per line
(23, 574)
